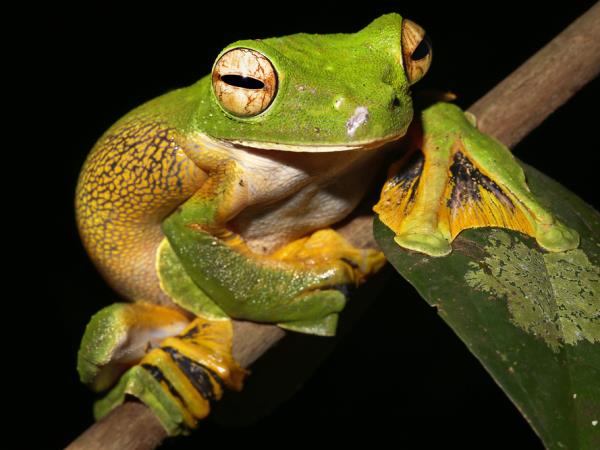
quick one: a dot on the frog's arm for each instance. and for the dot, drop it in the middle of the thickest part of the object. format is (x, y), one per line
(462, 179)
(296, 287)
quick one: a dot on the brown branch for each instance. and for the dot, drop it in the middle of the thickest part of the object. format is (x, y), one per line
(509, 112)
(523, 100)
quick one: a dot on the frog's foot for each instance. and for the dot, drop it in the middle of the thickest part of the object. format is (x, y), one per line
(327, 250)
(300, 286)
(416, 229)
(118, 336)
(432, 243)
(175, 376)
(556, 237)
(462, 179)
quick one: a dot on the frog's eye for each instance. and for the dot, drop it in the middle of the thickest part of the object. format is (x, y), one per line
(416, 51)
(244, 82)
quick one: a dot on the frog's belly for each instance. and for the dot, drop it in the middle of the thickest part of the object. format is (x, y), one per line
(316, 196)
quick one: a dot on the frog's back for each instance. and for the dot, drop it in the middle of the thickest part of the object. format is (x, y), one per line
(135, 175)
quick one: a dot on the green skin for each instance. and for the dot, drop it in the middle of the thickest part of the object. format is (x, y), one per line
(315, 98)
(445, 124)
(319, 91)
(295, 299)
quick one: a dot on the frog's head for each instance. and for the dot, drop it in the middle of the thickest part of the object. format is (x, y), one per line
(316, 93)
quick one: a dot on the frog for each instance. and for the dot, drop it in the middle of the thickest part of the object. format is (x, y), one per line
(219, 201)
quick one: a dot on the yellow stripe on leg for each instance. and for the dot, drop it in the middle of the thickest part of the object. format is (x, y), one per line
(195, 406)
(179, 379)
(209, 343)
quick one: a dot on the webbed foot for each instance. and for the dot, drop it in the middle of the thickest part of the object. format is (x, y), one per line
(461, 179)
(557, 237)
(433, 243)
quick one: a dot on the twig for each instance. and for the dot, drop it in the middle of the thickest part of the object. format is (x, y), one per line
(509, 112)
(523, 100)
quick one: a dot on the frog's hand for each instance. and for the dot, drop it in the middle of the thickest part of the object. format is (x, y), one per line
(462, 179)
(171, 364)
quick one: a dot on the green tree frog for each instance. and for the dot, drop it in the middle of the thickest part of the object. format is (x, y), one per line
(216, 201)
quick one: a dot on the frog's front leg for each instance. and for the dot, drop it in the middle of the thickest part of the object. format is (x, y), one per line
(174, 364)
(463, 179)
(297, 287)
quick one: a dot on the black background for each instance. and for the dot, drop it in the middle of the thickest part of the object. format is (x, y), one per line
(399, 376)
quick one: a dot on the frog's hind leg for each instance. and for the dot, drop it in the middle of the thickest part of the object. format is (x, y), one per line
(174, 365)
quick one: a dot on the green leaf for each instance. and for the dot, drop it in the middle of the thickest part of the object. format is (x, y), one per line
(532, 318)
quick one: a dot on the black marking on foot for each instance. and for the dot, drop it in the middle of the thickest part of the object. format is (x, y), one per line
(190, 334)
(410, 173)
(198, 374)
(160, 376)
(467, 179)
(411, 170)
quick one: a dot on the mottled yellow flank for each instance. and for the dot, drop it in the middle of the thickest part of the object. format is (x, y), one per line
(134, 177)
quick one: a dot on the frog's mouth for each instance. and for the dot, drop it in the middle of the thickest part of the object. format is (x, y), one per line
(305, 148)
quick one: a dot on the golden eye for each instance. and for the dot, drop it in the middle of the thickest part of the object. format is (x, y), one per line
(244, 82)
(416, 51)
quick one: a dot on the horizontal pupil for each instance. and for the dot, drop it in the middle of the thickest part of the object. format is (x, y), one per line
(422, 50)
(243, 82)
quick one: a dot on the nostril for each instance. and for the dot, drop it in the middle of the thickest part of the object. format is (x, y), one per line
(395, 102)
